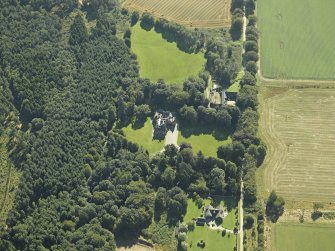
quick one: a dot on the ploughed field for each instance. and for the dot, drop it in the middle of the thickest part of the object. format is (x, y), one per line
(298, 127)
(192, 13)
(297, 38)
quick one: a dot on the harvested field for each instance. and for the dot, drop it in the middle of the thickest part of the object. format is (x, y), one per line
(298, 127)
(191, 13)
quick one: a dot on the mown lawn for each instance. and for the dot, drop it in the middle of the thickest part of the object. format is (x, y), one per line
(159, 59)
(297, 38)
(213, 238)
(143, 137)
(303, 237)
(202, 139)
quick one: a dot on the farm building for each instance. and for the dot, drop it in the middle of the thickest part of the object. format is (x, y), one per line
(219, 97)
(163, 121)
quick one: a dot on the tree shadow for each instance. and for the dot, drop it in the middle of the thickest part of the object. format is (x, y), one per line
(230, 202)
(218, 133)
(138, 124)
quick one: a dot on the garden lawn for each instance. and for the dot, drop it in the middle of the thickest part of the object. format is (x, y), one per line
(213, 238)
(303, 237)
(159, 59)
(235, 87)
(193, 211)
(297, 38)
(143, 137)
(205, 140)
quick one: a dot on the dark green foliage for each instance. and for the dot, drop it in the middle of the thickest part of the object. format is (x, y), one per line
(96, 7)
(248, 221)
(274, 206)
(82, 181)
(247, 97)
(187, 40)
(105, 25)
(78, 31)
(248, 79)
(135, 16)
(147, 21)
(251, 66)
(222, 61)
(188, 115)
(236, 27)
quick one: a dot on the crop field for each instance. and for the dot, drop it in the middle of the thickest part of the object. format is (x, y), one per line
(303, 237)
(297, 38)
(191, 13)
(159, 59)
(298, 128)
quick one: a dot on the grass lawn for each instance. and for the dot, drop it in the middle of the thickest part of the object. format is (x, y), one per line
(204, 139)
(143, 137)
(303, 237)
(235, 87)
(213, 239)
(297, 38)
(159, 59)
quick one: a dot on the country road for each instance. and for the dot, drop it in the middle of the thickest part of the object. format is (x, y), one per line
(241, 196)
(241, 218)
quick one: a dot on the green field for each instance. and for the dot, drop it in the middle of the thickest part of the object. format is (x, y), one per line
(143, 137)
(205, 140)
(297, 38)
(213, 238)
(303, 237)
(159, 59)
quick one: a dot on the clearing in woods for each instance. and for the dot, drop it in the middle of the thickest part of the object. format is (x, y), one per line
(9, 180)
(303, 237)
(298, 128)
(297, 38)
(159, 59)
(191, 13)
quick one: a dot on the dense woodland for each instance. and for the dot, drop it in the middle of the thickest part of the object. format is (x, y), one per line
(83, 184)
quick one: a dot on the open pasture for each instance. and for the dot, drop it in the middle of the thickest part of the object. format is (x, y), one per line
(303, 237)
(298, 128)
(159, 59)
(206, 140)
(297, 39)
(191, 13)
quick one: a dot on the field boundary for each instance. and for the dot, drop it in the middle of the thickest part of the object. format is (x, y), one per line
(196, 23)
